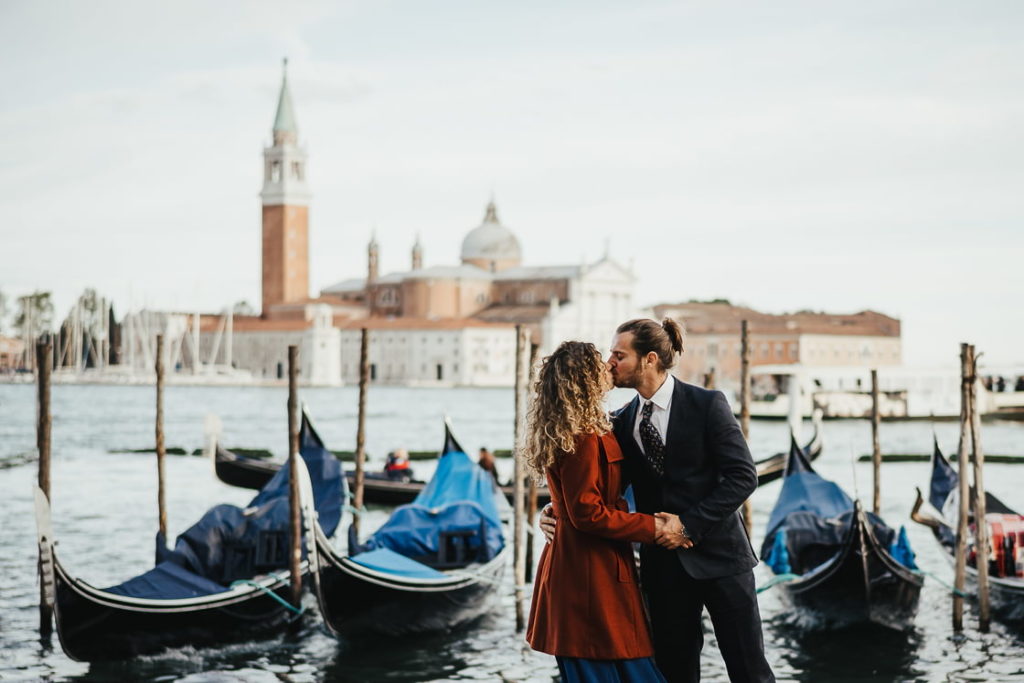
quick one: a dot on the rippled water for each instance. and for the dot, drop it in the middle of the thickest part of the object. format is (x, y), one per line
(104, 516)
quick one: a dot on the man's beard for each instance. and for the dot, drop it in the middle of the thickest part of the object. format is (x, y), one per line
(628, 382)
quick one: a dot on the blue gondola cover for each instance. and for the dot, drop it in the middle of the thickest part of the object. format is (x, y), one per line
(230, 543)
(461, 497)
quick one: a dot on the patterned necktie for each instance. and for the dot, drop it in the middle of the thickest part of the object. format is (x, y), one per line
(654, 448)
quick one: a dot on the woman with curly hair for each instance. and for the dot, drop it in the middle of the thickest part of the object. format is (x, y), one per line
(586, 609)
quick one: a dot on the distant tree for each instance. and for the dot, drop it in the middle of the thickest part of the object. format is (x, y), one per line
(34, 315)
(243, 308)
(92, 318)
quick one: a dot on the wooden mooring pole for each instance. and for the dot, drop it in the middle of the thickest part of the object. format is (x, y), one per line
(294, 504)
(44, 363)
(161, 454)
(963, 491)
(364, 380)
(518, 478)
(876, 449)
(748, 513)
(531, 491)
(982, 541)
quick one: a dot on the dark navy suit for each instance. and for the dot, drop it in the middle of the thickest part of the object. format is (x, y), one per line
(708, 473)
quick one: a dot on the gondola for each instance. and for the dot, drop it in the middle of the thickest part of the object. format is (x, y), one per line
(1006, 593)
(225, 580)
(250, 472)
(839, 565)
(772, 467)
(434, 565)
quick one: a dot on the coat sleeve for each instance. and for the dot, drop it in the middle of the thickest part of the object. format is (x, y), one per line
(587, 510)
(737, 476)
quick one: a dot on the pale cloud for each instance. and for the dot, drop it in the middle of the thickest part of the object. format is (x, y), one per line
(791, 156)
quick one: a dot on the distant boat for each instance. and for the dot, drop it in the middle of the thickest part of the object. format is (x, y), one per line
(431, 567)
(772, 467)
(1006, 593)
(225, 580)
(250, 472)
(839, 564)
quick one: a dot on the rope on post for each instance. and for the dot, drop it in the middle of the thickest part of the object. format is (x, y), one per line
(945, 584)
(284, 603)
(776, 580)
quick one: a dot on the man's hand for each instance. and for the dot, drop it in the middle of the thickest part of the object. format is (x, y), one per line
(671, 534)
(548, 521)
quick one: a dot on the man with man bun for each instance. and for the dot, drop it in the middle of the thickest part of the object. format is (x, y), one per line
(685, 454)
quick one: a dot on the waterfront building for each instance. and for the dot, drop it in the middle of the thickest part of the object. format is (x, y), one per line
(440, 324)
(12, 354)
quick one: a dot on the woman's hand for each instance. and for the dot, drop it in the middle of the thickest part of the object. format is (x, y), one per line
(671, 534)
(548, 521)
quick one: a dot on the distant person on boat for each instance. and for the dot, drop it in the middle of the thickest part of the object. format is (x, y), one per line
(1019, 386)
(487, 463)
(684, 453)
(397, 465)
(587, 610)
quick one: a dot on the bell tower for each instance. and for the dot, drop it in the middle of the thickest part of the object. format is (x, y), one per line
(285, 199)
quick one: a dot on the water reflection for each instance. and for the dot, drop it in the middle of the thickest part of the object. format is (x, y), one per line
(855, 653)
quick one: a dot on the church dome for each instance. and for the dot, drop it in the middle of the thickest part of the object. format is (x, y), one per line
(491, 245)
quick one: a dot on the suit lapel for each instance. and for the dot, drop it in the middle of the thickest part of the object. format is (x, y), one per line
(677, 416)
(624, 429)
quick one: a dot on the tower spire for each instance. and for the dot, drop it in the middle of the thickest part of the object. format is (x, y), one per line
(285, 128)
(417, 254)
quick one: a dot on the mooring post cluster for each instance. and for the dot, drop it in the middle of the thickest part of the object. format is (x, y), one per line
(971, 498)
(44, 355)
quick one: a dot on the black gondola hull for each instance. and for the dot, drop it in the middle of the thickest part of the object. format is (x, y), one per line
(98, 626)
(862, 584)
(356, 601)
(1006, 595)
(254, 473)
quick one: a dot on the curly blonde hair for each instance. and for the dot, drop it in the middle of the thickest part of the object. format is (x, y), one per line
(567, 400)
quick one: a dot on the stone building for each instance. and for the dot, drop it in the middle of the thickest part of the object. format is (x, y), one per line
(867, 339)
(438, 324)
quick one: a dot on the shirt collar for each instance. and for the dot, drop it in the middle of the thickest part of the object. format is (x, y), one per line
(663, 396)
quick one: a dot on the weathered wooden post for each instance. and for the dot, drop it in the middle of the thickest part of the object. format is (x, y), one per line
(748, 513)
(44, 353)
(876, 449)
(531, 492)
(161, 477)
(519, 556)
(963, 491)
(364, 380)
(294, 504)
(982, 542)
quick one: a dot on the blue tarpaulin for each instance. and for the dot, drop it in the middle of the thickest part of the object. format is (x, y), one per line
(807, 491)
(460, 498)
(389, 561)
(230, 543)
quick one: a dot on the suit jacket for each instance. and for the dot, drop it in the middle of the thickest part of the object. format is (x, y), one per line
(708, 473)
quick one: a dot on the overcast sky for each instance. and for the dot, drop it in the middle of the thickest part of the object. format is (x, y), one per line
(784, 155)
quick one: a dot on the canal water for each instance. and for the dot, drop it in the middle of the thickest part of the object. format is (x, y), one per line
(104, 517)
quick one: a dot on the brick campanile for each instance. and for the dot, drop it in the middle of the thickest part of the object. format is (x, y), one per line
(285, 198)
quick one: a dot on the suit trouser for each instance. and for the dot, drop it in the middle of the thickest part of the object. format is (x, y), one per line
(676, 601)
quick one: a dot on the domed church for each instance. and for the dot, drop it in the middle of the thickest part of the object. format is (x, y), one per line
(490, 285)
(437, 324)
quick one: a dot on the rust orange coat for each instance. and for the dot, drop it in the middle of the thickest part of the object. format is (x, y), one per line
(586, 600)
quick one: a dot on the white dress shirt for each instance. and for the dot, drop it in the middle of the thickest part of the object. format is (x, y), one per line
(662, 400)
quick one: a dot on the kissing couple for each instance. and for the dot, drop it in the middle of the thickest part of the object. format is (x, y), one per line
(683, 453)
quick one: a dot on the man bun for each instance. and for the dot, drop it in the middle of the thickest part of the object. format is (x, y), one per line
(675, 333)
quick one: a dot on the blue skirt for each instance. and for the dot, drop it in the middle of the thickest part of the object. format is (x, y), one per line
(576, 670)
